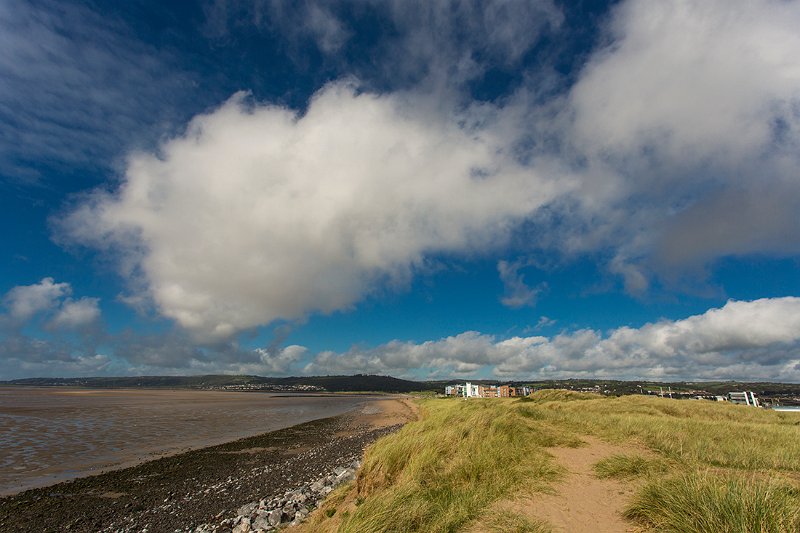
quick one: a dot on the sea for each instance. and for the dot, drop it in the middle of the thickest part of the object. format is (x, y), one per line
(53, 434)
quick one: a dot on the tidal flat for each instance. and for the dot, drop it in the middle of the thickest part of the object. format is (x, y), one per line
(208, 484)
(48, 435)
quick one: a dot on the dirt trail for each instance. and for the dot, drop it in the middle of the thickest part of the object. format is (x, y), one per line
(582, 503)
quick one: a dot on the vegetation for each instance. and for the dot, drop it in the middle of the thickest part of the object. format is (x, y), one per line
(704, 466)
(623, 466)
(440, 473)
(707, 502)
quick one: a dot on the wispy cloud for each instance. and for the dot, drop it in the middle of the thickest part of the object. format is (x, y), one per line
(517, 292)
(78, 88)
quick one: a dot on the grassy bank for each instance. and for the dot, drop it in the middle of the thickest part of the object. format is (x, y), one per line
(707, 467)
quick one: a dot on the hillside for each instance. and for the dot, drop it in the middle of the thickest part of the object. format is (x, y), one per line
(784, 393)
(357, 383)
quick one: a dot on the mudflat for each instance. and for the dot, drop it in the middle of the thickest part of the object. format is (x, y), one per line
(49, 435)
(204, 485)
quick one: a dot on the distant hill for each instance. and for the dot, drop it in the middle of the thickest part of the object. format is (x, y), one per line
(373, 383)
(357, 383)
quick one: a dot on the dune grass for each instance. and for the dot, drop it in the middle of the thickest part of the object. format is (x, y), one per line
(439, 473)
(713, 503)
(622, 466)
(689, 432)
(723, 467)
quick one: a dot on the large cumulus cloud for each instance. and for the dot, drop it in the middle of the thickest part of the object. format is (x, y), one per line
(257, 213)
(674, 145)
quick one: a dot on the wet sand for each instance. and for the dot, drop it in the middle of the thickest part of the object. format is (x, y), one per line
(49, 435)
(205, 485)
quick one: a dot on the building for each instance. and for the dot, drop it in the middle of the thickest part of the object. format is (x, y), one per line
(743, 398)
(469, 390)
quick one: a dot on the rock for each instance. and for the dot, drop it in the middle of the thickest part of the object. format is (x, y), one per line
(243, 527)
(246, 509)
(275, 517)
(338, 470)
(260, 523)
(346, 475)
(317, 486)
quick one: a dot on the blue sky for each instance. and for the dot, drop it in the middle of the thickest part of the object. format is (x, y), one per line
(511, 190)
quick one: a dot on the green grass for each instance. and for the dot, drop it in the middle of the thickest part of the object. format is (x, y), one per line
(688, 432)
(447, 470)
(713, 503)
(628, 466)
(440, 473)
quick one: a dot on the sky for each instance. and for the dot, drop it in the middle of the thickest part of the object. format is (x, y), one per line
(458, 189)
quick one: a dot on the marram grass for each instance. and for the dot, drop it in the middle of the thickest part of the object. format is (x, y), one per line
(711, 467)
(622, 466)
(716, 503)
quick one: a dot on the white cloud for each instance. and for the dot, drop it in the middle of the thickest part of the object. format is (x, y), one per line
(257, 213)
(742, 340)
(77, 313)
(78, 87)
(676, 145)
(24, 301)
(692, 79)
(687, 122)
(517, 292)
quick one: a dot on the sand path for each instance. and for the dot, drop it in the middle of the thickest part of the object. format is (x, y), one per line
(582, 503)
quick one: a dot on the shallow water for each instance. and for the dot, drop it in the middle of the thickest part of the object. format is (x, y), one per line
(53, 434)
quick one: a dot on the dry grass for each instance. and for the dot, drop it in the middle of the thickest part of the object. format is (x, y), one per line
(444, 472)
(706, 502)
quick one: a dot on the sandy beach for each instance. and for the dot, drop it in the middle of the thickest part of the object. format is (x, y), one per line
(204, 485)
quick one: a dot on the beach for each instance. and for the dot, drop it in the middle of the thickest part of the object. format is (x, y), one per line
(205, 485)
(52, 434)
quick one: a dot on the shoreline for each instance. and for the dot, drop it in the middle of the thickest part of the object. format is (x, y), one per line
(204, 485)
(92, 431)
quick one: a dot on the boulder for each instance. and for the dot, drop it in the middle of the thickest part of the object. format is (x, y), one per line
(262, 522)
(243, 527)
(275, 517)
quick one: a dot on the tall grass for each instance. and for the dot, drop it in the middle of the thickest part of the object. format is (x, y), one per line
(713, 503)
(623, 466)
(689, 432)
(448, 470)
(438, 474)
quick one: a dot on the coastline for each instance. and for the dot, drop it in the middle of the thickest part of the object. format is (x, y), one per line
(204, 485)
(54, 434)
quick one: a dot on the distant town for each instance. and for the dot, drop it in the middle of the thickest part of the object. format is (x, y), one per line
(475, 390)
(470, 390)
(767, 394)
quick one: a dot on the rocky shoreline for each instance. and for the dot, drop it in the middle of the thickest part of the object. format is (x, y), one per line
(292, 508)
(250, 484)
